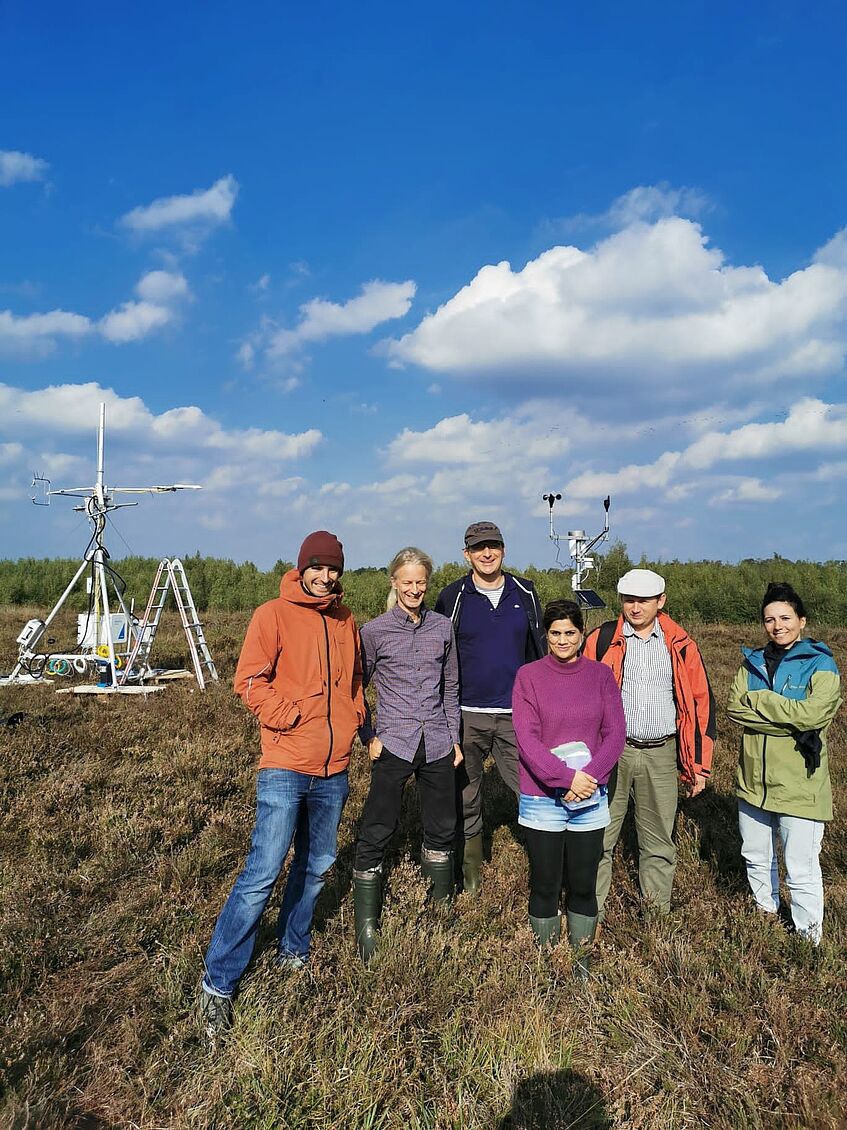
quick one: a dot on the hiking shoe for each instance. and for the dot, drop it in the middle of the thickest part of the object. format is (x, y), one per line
(215, 1018)
(290, 962)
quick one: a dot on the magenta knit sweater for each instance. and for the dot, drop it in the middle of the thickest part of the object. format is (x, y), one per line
(555, 702)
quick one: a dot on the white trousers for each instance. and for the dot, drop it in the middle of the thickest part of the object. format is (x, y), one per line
(801, 848)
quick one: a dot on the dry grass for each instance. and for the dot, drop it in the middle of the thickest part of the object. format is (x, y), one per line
(122, 825)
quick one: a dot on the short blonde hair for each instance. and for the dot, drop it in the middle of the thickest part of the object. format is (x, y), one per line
(410, 555)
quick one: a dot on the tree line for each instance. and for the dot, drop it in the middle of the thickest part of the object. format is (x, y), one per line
(709, 591)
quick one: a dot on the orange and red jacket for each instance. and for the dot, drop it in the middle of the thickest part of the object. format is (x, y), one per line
(695, 703)
(300, 672)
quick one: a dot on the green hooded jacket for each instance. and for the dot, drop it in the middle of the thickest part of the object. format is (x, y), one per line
(772, 772)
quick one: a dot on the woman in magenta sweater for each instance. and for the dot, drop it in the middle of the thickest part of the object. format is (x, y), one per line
(570, 727)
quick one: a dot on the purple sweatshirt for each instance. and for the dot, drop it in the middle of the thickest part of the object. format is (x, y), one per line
(555, 702)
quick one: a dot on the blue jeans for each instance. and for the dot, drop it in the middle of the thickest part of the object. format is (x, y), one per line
(289, 806)
(801, 849)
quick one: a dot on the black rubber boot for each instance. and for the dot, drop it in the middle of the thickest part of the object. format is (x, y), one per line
(367, 907)
(581, 931)
(547, 930)
(437, 866)
(471, 863)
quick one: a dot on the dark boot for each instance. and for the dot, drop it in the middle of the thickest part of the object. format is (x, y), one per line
(367, 907)
(471, 863)
(547, 930)
(215, 1018)
(437, 866)
(581, 932)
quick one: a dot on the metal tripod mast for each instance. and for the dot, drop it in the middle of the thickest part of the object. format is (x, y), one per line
(99, 503)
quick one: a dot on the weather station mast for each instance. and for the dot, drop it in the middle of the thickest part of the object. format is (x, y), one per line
(108, 633)
(580, 547)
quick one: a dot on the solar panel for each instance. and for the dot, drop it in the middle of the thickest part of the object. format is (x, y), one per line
(588, 598)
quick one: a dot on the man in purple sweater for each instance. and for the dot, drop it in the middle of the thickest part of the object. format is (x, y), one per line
(565, 708)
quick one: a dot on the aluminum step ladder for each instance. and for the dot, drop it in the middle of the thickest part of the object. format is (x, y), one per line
(170, 576)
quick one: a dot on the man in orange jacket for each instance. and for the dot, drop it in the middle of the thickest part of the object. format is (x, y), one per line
(300, 673)
(670, 726)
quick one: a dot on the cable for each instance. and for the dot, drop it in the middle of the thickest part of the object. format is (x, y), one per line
(84, 632)
(115, 575)
(111, 522)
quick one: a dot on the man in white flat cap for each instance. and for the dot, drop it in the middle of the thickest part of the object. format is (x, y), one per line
(670, 727)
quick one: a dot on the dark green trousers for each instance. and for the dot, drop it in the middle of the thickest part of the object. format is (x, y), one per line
(649, 777)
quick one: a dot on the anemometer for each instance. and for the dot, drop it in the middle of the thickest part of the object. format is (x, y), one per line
(579, 548)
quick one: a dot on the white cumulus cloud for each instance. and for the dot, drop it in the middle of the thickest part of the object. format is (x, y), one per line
(655, 201)
(462, 441)
(645, 202)
(811, 426)
(746, 490)
(652, 308)
(499, 464)
(834, 252)
(159, 293)
(203, 207)
(266, 444)
(36, 334)
(378, 302)
(248, 475)
(162, 287)
(74, 409)
(17, 167)
(133, 321)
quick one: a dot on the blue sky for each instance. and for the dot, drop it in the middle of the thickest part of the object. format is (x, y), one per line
(389, 272)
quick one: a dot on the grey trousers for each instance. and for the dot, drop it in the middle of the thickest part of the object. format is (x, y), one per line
(649, 776)
(484, 734)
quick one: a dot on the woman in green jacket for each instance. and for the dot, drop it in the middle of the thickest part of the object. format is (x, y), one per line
(785, 695)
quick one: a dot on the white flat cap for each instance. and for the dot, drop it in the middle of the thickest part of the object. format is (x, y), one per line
(641, 582)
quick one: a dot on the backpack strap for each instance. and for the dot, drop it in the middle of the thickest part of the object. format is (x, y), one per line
(604, 637)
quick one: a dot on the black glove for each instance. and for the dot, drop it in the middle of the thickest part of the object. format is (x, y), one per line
(810, 745)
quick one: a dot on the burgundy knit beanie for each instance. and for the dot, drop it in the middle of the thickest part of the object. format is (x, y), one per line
(321, 548)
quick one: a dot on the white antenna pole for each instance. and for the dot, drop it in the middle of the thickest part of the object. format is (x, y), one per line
(100, 489)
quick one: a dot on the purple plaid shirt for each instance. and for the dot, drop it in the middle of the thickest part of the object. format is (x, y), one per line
(416, 672)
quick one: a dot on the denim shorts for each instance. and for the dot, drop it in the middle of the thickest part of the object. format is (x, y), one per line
(551, 814)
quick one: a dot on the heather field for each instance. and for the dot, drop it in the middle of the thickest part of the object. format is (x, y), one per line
(123, 823)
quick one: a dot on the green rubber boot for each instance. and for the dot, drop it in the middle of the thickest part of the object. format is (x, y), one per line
(471, 863)
(547, 930)
(437, 866)
(581, 931)
(367, 907)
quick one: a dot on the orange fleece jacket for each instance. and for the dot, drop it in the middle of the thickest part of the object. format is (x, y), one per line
(300, 672)
(695, 703)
